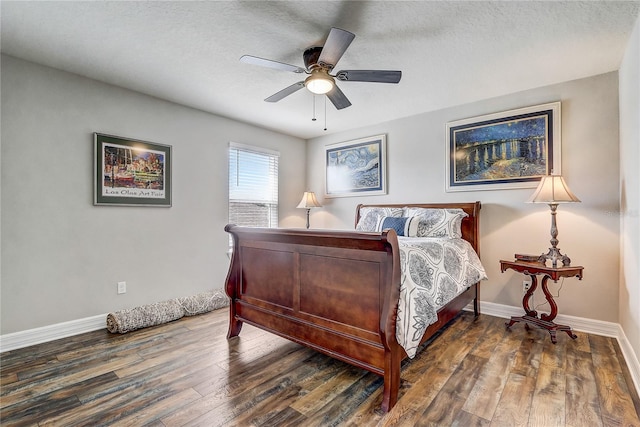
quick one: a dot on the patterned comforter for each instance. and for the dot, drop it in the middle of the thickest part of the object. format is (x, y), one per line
(434, 271)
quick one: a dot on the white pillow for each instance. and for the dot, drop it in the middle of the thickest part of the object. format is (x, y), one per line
(369, 217)
(438, 222)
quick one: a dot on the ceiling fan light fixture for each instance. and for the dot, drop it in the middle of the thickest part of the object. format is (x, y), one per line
(319, 82)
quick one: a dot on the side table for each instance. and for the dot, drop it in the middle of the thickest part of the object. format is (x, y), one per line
(533, 269)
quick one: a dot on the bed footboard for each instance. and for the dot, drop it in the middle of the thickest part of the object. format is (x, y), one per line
(335, 292)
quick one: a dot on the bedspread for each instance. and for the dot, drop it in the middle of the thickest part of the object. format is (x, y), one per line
(434, 271)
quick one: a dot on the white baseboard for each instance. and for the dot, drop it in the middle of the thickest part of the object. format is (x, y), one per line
(74, 327)
(631, 357)
(52, 332)
(597, 327)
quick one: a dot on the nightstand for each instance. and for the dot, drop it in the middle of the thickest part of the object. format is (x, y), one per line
(533, 269)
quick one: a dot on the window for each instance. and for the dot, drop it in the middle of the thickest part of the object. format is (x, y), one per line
(253, 186)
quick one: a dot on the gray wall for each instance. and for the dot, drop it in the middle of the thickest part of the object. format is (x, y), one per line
(630, 190)
(588, 232)
(62, 256)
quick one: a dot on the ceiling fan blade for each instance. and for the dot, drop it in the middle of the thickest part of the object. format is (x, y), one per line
(285, 92)
(335, 46)
(338, 98)
(376, 76)
(254, 60)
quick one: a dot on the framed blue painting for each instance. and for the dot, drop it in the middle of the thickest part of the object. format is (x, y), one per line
(511, 149)
(356, 168)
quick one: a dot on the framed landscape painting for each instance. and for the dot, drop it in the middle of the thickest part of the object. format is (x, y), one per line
(511, 149)
(129, 172)
(356, 168)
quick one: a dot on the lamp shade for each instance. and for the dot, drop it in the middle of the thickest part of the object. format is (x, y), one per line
(553, 189)
(309, 201)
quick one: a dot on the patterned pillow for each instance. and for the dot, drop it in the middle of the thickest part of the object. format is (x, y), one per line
(369, 217)
(403, 226)
(438, 222)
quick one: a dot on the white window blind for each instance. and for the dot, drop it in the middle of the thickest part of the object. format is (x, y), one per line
(253, 186)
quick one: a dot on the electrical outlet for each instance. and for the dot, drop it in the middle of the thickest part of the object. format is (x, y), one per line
(526, 284)
(122, 287)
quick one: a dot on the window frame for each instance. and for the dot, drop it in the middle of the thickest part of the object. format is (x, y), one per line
(272, 200)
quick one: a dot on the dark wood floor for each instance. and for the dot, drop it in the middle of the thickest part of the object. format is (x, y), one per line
(187, 374)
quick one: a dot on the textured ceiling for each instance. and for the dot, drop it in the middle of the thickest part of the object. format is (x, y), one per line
(450, 53)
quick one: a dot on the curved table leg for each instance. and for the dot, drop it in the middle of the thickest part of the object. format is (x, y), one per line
(525, 303)
(553, 327)
(554, 308)
(527, 297)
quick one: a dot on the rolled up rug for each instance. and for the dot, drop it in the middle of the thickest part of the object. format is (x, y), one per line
(141, 317)
(203, 302)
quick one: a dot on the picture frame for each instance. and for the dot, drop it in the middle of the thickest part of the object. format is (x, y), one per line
(130, 172)
(356, 168)
(510, 149)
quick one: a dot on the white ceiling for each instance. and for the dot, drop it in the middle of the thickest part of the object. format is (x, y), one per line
(450, 53)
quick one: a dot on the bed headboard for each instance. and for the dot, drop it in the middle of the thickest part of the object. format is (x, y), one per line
(470, 224)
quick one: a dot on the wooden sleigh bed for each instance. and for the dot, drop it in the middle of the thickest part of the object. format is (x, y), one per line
(334, 291)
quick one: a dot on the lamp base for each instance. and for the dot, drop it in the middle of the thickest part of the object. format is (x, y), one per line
(554, 255)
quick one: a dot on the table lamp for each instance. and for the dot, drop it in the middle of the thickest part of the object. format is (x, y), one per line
(553, 190)
(309, 201)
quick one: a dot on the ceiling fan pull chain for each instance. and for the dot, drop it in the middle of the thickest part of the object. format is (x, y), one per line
(325, 113)
(314, 108)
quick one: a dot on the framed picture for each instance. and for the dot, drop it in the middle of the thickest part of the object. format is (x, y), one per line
(128, 172)
(511, 149)
(356, 168)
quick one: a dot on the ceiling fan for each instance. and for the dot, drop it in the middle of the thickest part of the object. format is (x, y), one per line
(319, 62)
